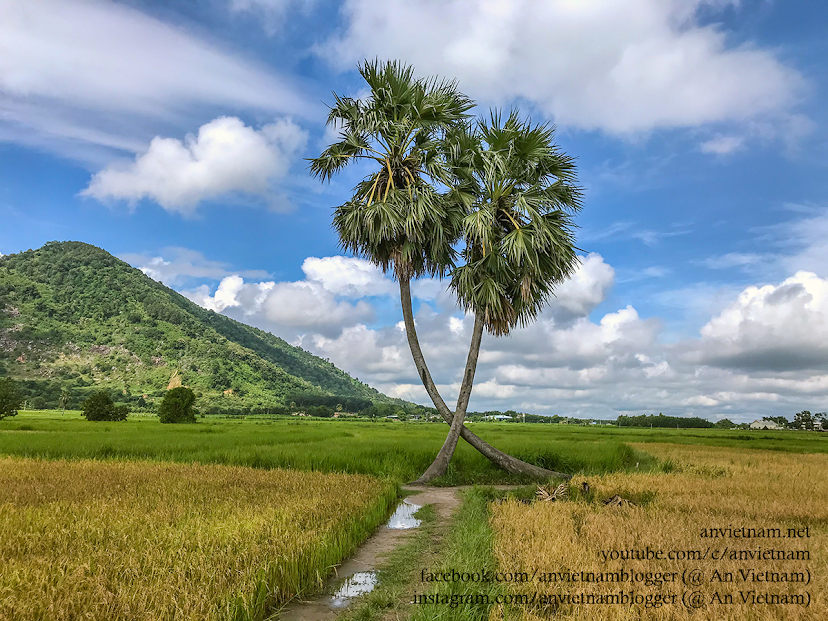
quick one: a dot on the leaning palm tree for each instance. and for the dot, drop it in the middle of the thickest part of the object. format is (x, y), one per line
(519, 191)
(397, 218)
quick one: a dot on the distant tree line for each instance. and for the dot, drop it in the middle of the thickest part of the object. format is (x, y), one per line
(339, 403)
(664, 421)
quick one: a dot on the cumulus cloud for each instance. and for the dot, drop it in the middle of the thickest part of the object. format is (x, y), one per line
(348, 276)
(587, 288)
(314, 304)
(772, 328)
(98, 72)
(765, 353)
(282, 307)
(598, 64)
(617, 364)
(224, 157)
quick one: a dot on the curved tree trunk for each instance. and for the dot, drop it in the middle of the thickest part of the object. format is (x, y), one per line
(440, 464)
(499, 458)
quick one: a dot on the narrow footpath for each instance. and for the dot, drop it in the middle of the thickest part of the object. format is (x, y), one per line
(357, 574)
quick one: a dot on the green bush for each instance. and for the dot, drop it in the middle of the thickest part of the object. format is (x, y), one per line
(10, 399)
(100, 406)
(177, 406)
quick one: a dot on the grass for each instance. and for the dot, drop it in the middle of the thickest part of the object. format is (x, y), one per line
(708, 487)
(397, 575)
(398, 450)
(469, 547)
(155, 541)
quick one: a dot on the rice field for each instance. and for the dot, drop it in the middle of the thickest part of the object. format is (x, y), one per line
(707, 487)
(398, 450)
(129, 540)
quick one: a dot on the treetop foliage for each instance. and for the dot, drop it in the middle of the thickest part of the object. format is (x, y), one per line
(10, 398)
(100, 407)
(177, 406)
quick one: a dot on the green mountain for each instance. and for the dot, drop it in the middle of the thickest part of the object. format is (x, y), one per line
(74, 318)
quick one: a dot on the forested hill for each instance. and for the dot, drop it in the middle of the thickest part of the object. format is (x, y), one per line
(75, 318)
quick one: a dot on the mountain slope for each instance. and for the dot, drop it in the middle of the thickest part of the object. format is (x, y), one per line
(73, 317)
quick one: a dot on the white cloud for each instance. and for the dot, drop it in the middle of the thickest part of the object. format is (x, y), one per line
(225, 157)
(765, 353)
(587, 287)
(272, 14)
(224, 297)
(308, 305)
(182, 264)
(282, 307)
(92, 71)
(597, 64)
(722, 145)
(701, 400)
(734, 259)
(807, 238)
(775, 327)
(348, 276)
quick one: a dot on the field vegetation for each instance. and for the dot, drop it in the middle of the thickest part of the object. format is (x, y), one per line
(705, 487)
(392, 449)
(113, 540)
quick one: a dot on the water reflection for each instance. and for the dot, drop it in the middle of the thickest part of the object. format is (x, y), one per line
(403, 517)
(353, 586)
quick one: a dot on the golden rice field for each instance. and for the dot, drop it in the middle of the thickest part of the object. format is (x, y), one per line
(710, 488)
(155, 541)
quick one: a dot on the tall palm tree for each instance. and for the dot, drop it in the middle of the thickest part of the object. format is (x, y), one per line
(520, 194)
(396, 217)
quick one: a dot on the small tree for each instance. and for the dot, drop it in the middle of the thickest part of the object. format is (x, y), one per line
(10, 399)
(64, 399)
(804, 420)
(177, 406)
(100, 406)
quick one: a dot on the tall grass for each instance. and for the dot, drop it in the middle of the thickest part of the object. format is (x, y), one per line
(114, 541)
(708, 487)
(469, 547)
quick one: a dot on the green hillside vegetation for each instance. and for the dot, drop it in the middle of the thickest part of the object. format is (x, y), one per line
(74, 318)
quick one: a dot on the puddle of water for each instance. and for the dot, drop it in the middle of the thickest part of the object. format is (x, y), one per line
(353, 586)
(403, 517)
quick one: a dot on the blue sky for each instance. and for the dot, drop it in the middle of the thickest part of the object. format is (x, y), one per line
(174, 135)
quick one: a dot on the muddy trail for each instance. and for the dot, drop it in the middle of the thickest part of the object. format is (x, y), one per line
(358, 574)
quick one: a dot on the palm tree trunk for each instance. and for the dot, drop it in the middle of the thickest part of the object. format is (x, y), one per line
(499, 458)
(440, 464)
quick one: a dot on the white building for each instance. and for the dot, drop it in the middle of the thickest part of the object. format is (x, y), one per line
(764, 424)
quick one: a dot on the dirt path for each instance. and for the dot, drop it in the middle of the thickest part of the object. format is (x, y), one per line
(371, 553)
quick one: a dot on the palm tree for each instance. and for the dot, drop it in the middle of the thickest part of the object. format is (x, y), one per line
(396, 217)
(520, 191)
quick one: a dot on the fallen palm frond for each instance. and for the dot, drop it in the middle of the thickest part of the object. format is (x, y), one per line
(546, 494)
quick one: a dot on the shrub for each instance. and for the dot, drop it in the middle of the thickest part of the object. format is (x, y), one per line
(10, 399)
(177, 406)
(100, 406)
